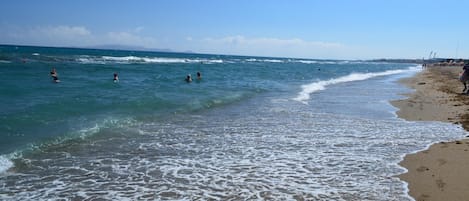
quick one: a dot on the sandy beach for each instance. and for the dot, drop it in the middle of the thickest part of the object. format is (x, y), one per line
(440, 172)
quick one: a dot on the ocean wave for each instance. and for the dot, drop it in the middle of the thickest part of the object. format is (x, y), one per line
(135, 59)
(345, 62)
(317, 62)
(5, 164)
(5, 62)
(338, 62)
(95, 128)
(308, 89)
(71, 137)
(273, 60)
(89, 61)
(306, 61)
(181, 160)
(265, 60)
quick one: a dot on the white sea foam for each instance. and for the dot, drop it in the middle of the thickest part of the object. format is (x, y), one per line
(144, 59)
(273, 150)
(134, 59)
(273, 60)
(36, 54)
(85, 60)
(265, 60)
(5, 164)
(342, 62)
(308, 89)
(307, 61)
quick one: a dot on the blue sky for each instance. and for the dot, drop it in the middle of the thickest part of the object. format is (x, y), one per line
(327, 29)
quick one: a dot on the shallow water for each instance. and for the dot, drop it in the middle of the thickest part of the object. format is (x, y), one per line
(341, 143)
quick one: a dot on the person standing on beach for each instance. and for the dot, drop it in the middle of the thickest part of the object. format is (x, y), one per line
(464, 77)
(463, 73)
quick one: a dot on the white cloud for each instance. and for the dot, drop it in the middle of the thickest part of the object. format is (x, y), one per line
(295, 42)
(138, 29)
(126, 38)
(56, 35)
(59, 32)
(81, 36)
(66, 31)
(264, 46)
(77, 36)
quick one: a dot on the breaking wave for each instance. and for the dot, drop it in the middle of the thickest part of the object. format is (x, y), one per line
(308, 89)
(135, 59)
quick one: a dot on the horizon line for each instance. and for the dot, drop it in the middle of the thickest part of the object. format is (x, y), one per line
(168, 50)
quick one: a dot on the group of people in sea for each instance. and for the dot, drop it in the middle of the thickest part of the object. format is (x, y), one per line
(189, 77)
(55, 77)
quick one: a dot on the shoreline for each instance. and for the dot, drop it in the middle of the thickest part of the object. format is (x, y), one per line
(440, 171)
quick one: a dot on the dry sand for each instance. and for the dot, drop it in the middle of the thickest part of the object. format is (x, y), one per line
(442, 171)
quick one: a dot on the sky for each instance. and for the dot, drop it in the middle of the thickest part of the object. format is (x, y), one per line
(315, 29)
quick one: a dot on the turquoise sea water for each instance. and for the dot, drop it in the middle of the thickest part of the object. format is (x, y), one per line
(251, 128)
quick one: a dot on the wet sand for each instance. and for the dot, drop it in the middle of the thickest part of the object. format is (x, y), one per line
(442, 171)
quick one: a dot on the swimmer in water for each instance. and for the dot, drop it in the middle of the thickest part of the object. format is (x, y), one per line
(116, 78)
(199, 76)
(54, 75)
(188, 78)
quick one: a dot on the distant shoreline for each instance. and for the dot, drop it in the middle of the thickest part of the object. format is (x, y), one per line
(440, 172)
(166, 50)
(437, 97)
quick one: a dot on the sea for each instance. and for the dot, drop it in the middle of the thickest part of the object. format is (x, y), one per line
(252, 128)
